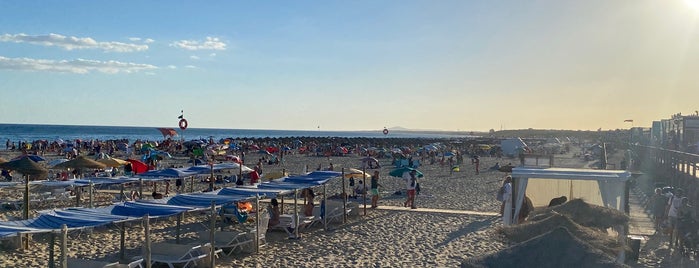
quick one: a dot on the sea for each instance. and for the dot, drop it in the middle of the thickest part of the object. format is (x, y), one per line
(30, 132)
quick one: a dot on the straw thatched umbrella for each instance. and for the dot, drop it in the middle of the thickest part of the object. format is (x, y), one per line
(29, 169)
(81, 162)
(112, 162)
(522, 232)
(586, 214)
(2, 160)
(557, 248)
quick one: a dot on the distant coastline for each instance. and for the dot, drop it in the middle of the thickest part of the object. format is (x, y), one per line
(30, 132)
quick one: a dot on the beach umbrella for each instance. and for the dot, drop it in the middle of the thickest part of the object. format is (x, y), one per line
(167, 132)
(25, 166)
(34, 158)
(400, 171)
(137, 166)
(30, 169)
(112, 162)
(81, 162)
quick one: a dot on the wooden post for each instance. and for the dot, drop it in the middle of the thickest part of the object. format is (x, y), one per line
(25, 208)
(179, 227)
(91, 188)
(140, 188)
(257, 220)
(64, 246)
(212, 233)
(146, 245)
(122, 241)
(121, 193)
(344, 198)
(78, 195)
(296, 213)
(191, 184)
(324, 207)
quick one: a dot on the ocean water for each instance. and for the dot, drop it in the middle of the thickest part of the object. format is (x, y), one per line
(27, 132)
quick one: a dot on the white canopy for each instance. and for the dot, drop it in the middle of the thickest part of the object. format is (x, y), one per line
(599, 187)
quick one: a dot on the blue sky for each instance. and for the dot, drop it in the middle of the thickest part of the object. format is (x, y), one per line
(349, 65)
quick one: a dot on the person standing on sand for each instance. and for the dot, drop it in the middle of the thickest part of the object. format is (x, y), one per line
(375, 189)
(506, 207)
(411, 184)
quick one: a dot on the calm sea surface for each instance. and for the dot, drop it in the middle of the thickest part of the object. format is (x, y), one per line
(22, 132)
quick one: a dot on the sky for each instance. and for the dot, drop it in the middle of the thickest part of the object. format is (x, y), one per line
(349, 65)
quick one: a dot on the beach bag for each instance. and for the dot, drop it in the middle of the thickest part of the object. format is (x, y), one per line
(501, 194)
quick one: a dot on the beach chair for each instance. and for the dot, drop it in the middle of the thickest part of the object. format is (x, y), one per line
(227, 241)
(286, 221)
(82, 263)
(172, 254)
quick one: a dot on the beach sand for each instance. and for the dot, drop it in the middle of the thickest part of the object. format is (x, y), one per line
(385, 237)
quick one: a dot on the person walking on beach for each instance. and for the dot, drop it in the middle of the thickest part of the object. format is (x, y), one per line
(658, 201)
(375, 189)
(506, 207)
(411, 183)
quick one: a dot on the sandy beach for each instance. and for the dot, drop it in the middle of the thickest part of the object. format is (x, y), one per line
(390, 236)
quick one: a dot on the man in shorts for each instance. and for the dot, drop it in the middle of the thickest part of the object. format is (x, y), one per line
(375, 189)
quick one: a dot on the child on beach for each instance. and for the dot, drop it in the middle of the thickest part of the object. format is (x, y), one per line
(411, 184)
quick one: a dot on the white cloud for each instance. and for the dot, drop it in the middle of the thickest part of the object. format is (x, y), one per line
(190, 66)
(148, 41)
(71, 42)
(172, 67)
(79, 66)
(212, 55)
(211, 43)
(134, 39)
(194, 57)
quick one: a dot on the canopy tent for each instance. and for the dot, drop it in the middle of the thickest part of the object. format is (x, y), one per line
(599, 187)
(166, 173)
(137, 210)
(315, 177)
(200, 200)
(54, 219)
(10, 231)
(252, 191)
(206, 169)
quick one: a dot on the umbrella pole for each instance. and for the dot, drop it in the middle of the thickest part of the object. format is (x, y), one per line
(191, 184)
(344, 198)
(282, 205)
(25, 211)
(140, 188)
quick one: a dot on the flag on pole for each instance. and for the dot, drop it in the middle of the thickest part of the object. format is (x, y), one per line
(629, 120)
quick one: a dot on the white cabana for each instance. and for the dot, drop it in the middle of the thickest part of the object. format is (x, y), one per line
(599, 187)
